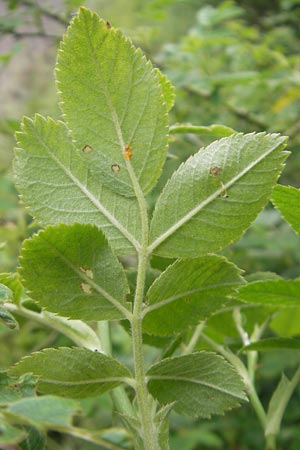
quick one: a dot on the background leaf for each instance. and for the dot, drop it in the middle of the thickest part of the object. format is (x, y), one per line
(287, 201)
(273, 344)
(73, 372)
(46, 411)
(216, 194)
(70, 270)
(10, 435)
(46, 163)
(201, 384)
(282, 293)
(189, 291)
(111, 97)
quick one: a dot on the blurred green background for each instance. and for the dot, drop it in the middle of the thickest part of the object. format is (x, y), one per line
(235, 63)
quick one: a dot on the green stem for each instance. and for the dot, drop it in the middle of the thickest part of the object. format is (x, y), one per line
(271, 442)
(89, 437)
(213, 130)
(194, 339)
(144, 400)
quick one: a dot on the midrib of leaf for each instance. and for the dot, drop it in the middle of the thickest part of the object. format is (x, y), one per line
(207, 201)
(195, 381)
(114, 115)
(88, 194)
(86, 382)
(135, 183)
(183, 294)
(89, 281)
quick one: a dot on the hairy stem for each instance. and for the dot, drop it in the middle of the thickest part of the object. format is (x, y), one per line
(144, 400)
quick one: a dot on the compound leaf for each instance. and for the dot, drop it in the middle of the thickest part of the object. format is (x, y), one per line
(112, 101)
(73, 372)
(189, 291)
(287, 200)
(201, 384)
(70, 270)
(216, 194)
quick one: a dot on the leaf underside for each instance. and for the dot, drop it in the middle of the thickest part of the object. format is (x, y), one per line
(57, 186)
(72, 372)
(189, 291)
(201, 384)
(70, 270)
(112, 97)
(216, 194)
(280, 293)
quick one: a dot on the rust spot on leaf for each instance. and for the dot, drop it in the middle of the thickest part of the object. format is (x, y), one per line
(127, 152)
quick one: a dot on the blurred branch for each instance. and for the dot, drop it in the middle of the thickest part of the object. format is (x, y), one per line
(238, 112)
(31, 34)
(45, 12)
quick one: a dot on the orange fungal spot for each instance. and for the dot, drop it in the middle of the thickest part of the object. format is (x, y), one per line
(127, 152)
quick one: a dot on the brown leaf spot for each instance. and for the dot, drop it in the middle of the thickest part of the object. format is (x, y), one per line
(215, 171)
(88, 272)
(86, 288)
(108, 25)
(87, 149)
(115, 168)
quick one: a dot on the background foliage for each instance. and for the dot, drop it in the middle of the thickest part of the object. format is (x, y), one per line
(233, 62)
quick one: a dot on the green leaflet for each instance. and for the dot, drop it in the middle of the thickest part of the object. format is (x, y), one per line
(35, 439)
(46, 411)
(282, 293)
(273, 344)
(216, 194)
(57, 186)
(286, 322)
(13, 283)
(73, 372)
(287, 201)
(70, 270)
(12, 390)
(112, 98)
(187, 292)
(201, 384)
(167, 88)
(10, 435)
(8, 319)
(5, 293)
(279, 402)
